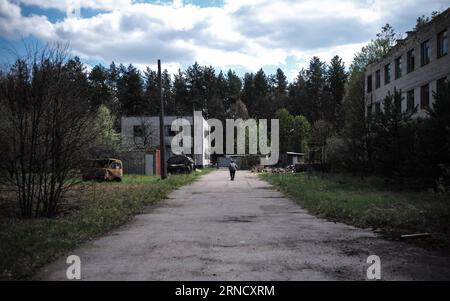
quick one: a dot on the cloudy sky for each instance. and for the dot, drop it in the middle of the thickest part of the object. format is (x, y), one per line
(243, 35)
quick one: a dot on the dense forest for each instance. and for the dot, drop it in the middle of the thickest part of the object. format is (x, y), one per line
(317, 92)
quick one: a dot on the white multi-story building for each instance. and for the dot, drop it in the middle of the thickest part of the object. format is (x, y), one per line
(416, 66)
(142, 133)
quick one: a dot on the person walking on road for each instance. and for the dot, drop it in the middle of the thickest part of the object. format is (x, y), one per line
(232, 167)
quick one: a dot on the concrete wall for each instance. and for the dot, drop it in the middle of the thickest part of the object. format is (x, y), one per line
(422, 75)
(152, 124)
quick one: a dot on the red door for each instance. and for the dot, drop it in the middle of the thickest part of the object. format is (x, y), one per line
(158, 162)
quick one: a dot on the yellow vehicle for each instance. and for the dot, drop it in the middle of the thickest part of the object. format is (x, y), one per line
(106, 169)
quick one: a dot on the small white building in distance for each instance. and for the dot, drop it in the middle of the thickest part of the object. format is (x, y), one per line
(141, 133)
(417, 66)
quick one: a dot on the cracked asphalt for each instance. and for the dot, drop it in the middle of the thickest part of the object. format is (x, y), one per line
(216, 229)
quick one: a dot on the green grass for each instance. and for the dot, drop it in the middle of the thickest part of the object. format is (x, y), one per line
(369, 202)
(90, 211)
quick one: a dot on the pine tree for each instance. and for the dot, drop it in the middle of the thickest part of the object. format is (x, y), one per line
(280, 88)
(233, 89)
(99, 90)
(248, 93)
(130, 88)
(298, 95)
(386, 130)
(261, 106)
(180, 95)
(151, 91)
(355, 131)
(315, 84)
(336, 80)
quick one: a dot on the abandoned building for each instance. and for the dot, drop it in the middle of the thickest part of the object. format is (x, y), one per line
(417, 66)
(140, 137)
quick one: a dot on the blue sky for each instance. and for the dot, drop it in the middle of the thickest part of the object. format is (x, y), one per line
(242, 35)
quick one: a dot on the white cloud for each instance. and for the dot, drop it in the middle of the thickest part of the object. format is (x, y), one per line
(92, 4)
(244, 34)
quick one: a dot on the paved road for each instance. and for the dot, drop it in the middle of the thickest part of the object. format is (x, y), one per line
(215, 229)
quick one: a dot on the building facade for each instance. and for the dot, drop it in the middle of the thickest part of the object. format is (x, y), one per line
(417, 66)
(142, 134)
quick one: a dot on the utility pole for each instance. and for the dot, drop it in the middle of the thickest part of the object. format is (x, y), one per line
(162, 144)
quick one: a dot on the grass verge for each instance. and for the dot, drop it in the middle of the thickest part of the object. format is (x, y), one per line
(89, 211)
(370, 203)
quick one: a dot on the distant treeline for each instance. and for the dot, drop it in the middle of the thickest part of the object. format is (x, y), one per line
(316, 93)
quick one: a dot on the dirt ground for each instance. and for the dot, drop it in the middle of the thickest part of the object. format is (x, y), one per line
(217, 229)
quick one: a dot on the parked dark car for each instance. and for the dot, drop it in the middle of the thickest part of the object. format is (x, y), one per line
(180, 164)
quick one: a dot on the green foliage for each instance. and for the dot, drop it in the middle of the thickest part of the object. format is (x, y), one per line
(255, 95)
(413, 152)
(233, 89)
(315, 86)
(300, 134)
(355, 131)
(130, 91)
(46, 128)
(317, 92)
(433, 140)
(107, 143)
(294, 131)
(424, 20)
(298, 94)
(320, 132)
(336, 80)
(389, 137)
(100, 92)
(375, 50)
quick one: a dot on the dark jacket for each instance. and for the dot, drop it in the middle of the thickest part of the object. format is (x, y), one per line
(233, 166)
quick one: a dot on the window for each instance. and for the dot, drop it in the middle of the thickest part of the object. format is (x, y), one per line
(398, 104)
(398, 67)
(410, 100)
(116, 165)
(410, 61)
(425, 96)
(425, 52)
(138, 131)
(377, 79)
(369, 83)
(442, 43)
(168, 131)
(440, 84)
(387, 74)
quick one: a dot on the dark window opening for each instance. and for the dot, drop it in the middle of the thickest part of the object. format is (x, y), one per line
(138, 131)
(398, 68)
(168, 131)
(387, 74)
(410, 100)
(425, 52)
(377, 79)
(425, 96)
(442, 43)
(369, 83)
(440, 84)
(410, 61)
